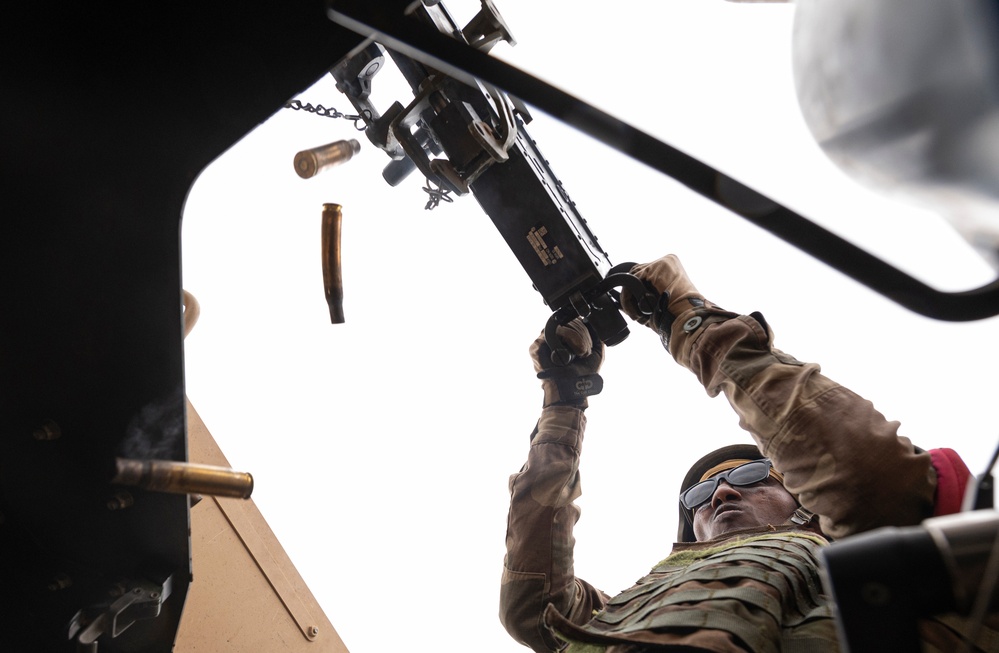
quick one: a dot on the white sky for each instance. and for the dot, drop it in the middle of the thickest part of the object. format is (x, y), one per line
(381, 447)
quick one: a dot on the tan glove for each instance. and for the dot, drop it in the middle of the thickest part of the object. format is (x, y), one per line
(681, 309)
(570, 385)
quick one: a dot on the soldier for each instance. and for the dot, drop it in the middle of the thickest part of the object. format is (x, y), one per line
(744, 573)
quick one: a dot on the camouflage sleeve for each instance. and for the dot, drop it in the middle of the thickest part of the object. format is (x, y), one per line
(538, 567)
(840, 457)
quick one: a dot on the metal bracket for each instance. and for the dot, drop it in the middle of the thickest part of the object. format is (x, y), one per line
(142, 601)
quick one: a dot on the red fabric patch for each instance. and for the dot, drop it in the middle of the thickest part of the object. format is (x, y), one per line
(952, 481)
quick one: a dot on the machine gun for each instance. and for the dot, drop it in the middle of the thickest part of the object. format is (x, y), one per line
(487, 152)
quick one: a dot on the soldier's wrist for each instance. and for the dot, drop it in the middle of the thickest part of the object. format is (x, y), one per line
(565, 388)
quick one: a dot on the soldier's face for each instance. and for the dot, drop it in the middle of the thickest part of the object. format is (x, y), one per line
(734, 508)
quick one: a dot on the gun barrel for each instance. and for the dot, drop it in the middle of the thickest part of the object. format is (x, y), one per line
(182, 478)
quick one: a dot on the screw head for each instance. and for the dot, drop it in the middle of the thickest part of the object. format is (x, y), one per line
(120, 501)
(48, 430)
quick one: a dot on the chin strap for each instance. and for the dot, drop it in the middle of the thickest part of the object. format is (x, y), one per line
(801, 516)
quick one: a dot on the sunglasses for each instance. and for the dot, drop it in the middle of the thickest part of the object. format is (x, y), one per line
(746, 474)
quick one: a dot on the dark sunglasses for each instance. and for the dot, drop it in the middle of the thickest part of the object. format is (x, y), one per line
(745, 474)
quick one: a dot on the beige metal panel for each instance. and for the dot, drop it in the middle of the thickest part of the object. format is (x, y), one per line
(246, 596)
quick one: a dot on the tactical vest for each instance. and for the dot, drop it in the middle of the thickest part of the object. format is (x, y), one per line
(757, 592)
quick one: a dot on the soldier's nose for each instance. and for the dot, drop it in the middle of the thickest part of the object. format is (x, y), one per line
(724, 492)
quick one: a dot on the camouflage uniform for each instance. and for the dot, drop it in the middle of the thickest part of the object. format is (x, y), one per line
(754, 590)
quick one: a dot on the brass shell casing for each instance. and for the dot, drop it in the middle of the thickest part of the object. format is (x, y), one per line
(182, 478)
(332, 274)
(309, 163)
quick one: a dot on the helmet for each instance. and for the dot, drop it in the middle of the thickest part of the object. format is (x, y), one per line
(685, 529)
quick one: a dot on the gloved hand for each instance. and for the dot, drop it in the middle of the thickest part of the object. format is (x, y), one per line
(681, 307)
(570, 385)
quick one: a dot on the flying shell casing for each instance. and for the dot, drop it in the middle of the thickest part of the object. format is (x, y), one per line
(332, 274)
(309, 163)
(182, 478)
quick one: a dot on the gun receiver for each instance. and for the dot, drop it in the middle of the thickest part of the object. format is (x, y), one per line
(487, 152)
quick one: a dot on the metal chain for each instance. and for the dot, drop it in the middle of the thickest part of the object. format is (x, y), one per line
(437, 195)
(331, 112)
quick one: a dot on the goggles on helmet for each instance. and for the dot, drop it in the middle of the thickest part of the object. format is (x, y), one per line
(746, 474)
